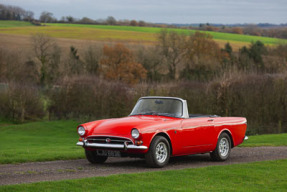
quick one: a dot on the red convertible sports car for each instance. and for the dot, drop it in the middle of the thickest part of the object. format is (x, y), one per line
(159, 128)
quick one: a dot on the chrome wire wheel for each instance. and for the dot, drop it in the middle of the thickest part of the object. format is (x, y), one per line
(224, 147)
(161, 152)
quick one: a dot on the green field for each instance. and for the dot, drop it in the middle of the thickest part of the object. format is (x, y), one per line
(258, 176)
(8, 24)
(155, 30)
(118, 33)
(54, 140)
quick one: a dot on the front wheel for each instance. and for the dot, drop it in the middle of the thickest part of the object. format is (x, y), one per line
(223, 148)
(159, 152)
(94, 158)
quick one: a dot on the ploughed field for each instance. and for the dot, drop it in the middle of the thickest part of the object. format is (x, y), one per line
(127, 34)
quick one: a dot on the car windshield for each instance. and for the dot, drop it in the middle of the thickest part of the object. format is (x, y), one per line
(158, 106)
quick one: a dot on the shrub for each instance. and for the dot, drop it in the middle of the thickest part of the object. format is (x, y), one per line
(89, 98)
(20, 102)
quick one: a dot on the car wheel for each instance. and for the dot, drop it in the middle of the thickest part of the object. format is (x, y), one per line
(94, 158)
(223, 148)
(159, 152)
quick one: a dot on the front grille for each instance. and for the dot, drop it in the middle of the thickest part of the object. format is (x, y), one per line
(109, 140)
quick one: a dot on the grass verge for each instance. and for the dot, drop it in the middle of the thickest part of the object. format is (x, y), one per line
(266, 140)
(239, 177)
(56, 140)
(39, 141)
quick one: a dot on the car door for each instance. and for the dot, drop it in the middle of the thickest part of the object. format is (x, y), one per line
(196, 135)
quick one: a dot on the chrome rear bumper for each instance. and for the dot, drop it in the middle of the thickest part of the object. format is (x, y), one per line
(111, 146)
(245, 138)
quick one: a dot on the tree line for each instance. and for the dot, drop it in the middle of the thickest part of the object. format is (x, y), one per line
(279, 31)
(15, 13)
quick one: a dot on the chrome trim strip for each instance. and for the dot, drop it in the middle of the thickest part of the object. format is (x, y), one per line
(216, 125)
(112, 146)
(112, 140)
(222, 132)
(91, 136)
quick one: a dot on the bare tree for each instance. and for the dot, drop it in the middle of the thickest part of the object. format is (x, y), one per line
(28, 16)
(70, 19)
(111, 20)
(46, 17)
(142, 23)
(92, 57)
(171, 45)
(47, 52)
(151, 61)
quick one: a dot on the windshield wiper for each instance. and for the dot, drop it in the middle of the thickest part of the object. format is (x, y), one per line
(155, 113)
(147, 113)
(166, 114)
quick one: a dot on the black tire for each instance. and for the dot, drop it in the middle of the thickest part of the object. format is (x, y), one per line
(159, 152)
(223, 148)
(94, 158)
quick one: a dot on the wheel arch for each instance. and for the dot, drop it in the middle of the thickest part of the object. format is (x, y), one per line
(165, 135)
(228, 132)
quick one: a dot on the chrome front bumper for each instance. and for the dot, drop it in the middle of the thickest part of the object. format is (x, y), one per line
(111, 146)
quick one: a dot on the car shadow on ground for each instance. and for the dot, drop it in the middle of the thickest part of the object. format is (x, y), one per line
(131, 163)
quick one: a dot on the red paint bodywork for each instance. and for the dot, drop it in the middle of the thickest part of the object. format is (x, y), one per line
(186, 136)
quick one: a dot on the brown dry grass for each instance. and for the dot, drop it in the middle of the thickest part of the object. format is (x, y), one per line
(23, 42)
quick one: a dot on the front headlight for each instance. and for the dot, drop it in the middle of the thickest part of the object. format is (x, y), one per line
(81, 131)
(135, 133)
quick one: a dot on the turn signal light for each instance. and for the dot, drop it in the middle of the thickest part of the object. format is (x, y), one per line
(80, 139)
(139, 142)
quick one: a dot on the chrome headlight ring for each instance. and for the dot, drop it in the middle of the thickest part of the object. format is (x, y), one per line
(81, 131)
(135, 133)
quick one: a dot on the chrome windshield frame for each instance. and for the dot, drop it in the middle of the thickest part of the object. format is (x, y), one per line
(184, 105)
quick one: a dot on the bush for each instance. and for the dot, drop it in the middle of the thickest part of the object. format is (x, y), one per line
(89, 98)
(262, 99)
(20, 102)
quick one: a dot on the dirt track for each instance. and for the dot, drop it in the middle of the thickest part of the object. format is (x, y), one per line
(71, 169)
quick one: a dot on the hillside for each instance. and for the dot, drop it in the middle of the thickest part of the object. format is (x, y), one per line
(127, 34)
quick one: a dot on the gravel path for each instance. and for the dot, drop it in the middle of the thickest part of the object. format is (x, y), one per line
(71, 169)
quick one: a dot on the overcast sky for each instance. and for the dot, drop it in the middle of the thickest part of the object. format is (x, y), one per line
(164, 11)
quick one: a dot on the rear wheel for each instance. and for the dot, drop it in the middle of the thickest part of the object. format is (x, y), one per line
(94, 158)
(223, 148)
(159, 152)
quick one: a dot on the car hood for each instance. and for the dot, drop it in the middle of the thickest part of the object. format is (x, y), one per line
(123, 126)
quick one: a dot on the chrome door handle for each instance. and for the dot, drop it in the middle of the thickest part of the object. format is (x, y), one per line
(210, 120)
